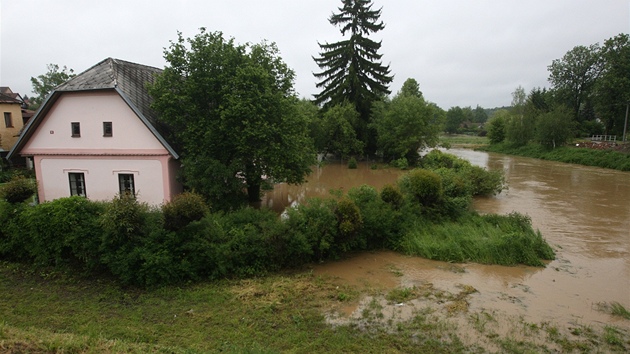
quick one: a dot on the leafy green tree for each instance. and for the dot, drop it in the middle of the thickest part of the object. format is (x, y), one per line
(339, 136)
(612, 90)
(233, 112)
(405, 124)
(496, 126)
(519, 128)
(555, 128)
(44, 84)
(479, 115)
(573, 78)
(454, 118)
(351, 69)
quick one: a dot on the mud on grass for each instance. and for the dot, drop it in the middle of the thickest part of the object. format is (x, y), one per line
(287, 312)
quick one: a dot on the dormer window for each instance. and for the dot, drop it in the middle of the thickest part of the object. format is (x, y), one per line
(108, 129)
(76, 129)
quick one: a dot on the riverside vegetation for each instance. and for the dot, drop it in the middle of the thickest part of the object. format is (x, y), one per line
(150, 278)
(427, 213)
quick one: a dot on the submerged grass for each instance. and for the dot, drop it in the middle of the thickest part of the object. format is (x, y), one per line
(283, 312)
(488, 239)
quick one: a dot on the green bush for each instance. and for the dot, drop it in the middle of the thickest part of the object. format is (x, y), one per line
(437, 159)
(352, 163)
(349, 223)
(400, 163)
(64, 232)
(11, 234)
(483, 182)
(382, 221)
(422, 187)
(392, 195)
(315, 224)
(184, 209)
(18, 189)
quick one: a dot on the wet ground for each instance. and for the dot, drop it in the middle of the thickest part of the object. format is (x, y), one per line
(583, 212)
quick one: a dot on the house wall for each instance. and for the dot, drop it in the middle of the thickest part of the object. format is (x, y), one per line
(8, 136)
(132, 149)
(101, 176)
(91, 109)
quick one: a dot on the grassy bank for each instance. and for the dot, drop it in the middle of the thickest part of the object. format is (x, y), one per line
(583, 156)
(463, 140)
(51, 313)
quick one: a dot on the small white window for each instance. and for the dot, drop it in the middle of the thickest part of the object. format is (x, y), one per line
(126, 184)
(77, 184)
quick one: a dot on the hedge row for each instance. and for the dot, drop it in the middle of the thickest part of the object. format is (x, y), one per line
(184, 241)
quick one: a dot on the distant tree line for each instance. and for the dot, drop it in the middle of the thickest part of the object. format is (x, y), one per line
(589, 95)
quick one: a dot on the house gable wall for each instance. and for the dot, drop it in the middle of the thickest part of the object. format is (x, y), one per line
(91, 109)
(9, 135)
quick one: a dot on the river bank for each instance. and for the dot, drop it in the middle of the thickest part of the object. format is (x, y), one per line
(588, 154)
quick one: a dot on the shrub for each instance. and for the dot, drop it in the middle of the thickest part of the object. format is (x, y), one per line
(352, 163)
(314, 223)
(18, 189)
(437, 159)
(400, 163)
(183, 209)
(11, 234)
(484, 182)
(381, 222)
(423, 187)
(349, 223)
(64, 232)
(391, 195)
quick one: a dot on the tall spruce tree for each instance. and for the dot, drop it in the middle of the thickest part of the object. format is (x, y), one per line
(351, 69)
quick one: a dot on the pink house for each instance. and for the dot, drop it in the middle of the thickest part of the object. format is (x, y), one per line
(96, 136)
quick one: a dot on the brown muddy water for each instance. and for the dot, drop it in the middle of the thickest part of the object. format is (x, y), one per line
(583, 212)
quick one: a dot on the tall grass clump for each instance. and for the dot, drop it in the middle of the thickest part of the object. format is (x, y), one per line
(487, 239)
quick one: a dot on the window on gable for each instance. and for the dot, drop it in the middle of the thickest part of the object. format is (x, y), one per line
(77, 184)
(108, 129)
(76, 129)
(8, 120)
(126, 184)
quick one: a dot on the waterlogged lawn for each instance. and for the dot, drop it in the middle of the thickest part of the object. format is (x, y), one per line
(52, 312)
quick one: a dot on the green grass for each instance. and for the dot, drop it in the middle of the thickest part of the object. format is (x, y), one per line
(283, 312)
(583, 156)
(463, 139)
(489, 239)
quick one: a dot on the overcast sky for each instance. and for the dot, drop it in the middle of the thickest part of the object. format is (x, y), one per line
(461, 52)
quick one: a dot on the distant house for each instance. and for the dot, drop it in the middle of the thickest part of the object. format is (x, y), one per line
(11, 107)
(96, 136)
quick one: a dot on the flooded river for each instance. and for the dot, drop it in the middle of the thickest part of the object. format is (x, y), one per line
(583, 212)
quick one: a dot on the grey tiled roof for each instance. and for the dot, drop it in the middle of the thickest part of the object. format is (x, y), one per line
(127, 78)
(130, 78)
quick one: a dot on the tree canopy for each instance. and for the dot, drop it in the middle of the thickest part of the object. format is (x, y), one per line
(234, 116)
(44, 84)
(351, 69)
(406, 123)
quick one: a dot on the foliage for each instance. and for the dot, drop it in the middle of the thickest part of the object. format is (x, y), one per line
(352, 163)
(44, 84)
(574, 76)
(64, 232)
(183, 209)
(520, 127)
(339, 137)
(423, 187)
(400, 163)
(235, 116)
(405, 124)
(18, 189)
(351, 69)
(496, 126)
(555, 128)
(492, 239)
(612, 89)
(392, 195)
(349, 223)
(314, 223)
(454, 117)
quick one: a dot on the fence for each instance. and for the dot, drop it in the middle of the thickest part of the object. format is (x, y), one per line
(611, 138)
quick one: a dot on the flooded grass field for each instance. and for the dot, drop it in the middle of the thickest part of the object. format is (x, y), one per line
(583, 212)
